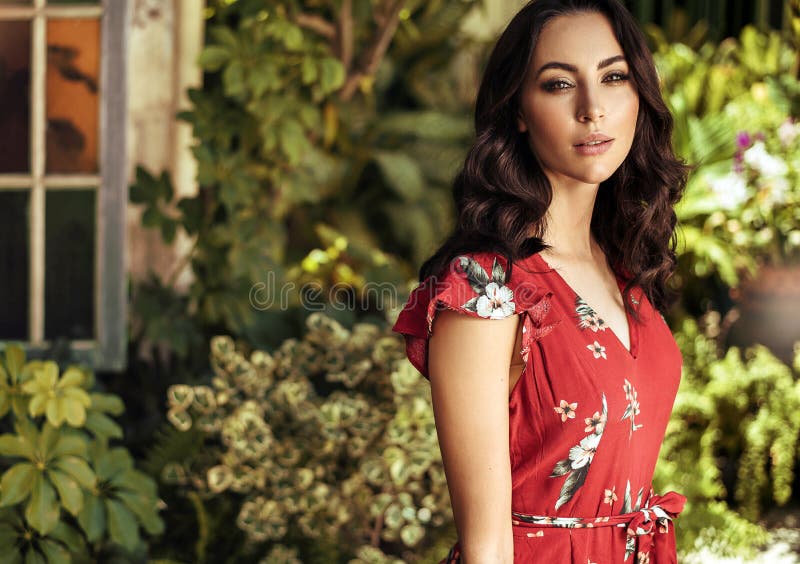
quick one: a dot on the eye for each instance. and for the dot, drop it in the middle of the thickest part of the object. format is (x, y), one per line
(617, 76)
(554, 85)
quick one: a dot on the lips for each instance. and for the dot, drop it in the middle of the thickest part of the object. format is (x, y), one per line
(593, 139)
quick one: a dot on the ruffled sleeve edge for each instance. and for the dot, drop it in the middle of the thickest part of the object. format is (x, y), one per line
(466, 290)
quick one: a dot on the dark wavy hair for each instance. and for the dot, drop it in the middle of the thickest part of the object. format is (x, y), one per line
(502, 193)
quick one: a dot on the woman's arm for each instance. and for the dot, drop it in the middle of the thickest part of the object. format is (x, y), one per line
(468, 361)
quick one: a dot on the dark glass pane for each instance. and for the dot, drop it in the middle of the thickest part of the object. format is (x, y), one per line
(73, 62)
(69, 264)
(14, 253)
(15, 59)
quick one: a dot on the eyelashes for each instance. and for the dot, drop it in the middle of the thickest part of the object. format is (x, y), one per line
(556, 85)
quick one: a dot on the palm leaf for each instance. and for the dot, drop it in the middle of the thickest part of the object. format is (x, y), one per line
(574, 481)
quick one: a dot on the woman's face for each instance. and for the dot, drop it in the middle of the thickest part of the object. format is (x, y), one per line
(577, 85)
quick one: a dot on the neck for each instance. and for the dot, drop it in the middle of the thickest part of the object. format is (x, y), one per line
(569, 221)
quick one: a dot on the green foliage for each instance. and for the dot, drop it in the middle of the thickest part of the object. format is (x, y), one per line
(739, 408)
(64, 493)
(331, 437)
(733, 108)
(314, 153)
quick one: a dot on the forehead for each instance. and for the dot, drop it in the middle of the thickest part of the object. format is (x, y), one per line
(579, 39)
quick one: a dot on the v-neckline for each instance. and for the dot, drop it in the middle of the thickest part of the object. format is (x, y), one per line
(632, 352)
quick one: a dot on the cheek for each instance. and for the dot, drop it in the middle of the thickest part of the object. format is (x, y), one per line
(630, 109)
(549, 122)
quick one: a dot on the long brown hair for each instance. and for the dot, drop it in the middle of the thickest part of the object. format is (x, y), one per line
(502, 194)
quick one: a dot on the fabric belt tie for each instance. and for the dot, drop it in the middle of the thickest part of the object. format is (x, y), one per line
(655, 515)
(641, 525)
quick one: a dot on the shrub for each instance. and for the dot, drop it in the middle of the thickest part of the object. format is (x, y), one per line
(65, 492)
(330, 439)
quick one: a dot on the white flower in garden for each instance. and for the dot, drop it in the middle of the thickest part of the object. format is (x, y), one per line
(788, 132)
(776, 188)
(730, 190)
(760, 160)
(496, 302)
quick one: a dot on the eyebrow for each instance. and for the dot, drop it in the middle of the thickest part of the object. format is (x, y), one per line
(572, 68)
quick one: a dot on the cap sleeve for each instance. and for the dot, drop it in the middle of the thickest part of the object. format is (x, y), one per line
(474, 285)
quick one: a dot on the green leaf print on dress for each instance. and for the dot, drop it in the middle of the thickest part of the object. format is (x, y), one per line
(588, 316)
(630, 544)
(576, 465)
(495, 300)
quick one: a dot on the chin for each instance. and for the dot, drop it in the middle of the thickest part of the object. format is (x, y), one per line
(593, 174)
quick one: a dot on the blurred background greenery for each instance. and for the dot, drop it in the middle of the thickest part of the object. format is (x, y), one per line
(326, 137)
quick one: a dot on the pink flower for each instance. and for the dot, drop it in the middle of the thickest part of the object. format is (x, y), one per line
(597, 349)
(595, 423)
(567, 410)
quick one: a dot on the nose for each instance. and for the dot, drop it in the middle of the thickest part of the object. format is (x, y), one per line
(590, 108)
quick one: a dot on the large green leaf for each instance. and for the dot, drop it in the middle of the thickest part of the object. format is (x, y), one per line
(68, 491)
(137, 481)
(103, 426)
(67, 445)
(55, 552)
(401, 174)
(112, 463)
(108, 403)
(17, 483)
(427, 124)
(92, 518)
(213, 57)
(69, 536)
(15, 361)
(78, 469)
(145, 510)
(15, 445)
(8, 535)
(42, 511)
(33, 557)
(122, 524)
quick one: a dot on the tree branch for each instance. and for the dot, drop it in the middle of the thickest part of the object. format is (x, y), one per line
(317, 24)
(346, 35)
(373, 55)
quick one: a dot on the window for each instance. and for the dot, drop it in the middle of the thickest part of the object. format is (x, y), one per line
(63, 185)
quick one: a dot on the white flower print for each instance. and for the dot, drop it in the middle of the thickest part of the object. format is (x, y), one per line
(597, 349)
(583, 453)
(610, 496)
(494, 298)
(496, 303)
(576, 465)
(595, 423)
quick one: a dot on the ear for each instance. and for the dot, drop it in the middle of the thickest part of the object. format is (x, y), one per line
(521, 126)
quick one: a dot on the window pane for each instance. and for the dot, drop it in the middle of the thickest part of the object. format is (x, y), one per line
(69, 264)
(72, 102)
(15, 59)
(14, 253)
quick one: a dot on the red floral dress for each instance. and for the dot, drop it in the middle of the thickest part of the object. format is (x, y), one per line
(587, 416)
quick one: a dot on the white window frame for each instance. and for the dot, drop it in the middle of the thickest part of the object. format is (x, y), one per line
(108, 350)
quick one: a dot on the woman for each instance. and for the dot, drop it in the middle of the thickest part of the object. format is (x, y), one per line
(539, 321)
